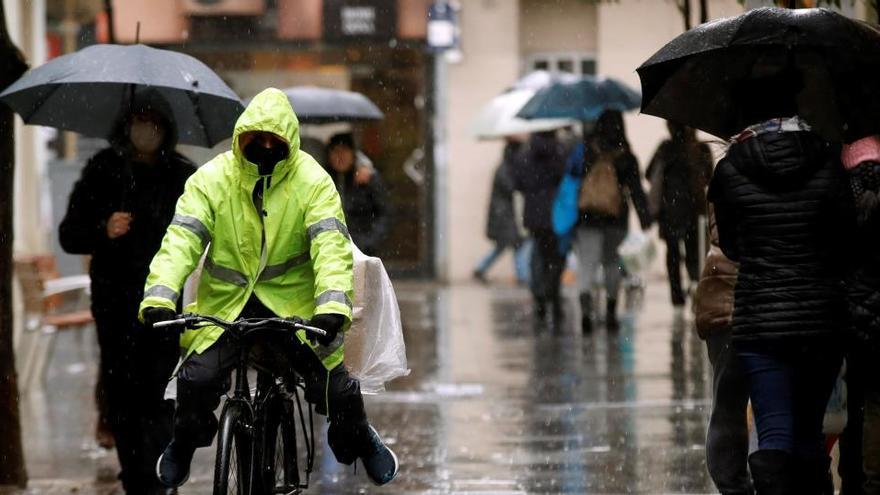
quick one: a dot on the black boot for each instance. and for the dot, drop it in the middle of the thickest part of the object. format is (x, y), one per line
(611, 321)
(814, 476)
(772, 472)
(586, 313)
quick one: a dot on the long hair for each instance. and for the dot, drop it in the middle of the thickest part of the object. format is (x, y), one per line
(610, 132)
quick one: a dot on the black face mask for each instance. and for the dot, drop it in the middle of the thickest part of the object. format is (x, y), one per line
(265, 158)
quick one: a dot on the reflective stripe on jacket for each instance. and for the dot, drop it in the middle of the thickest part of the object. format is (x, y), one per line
(307, 267)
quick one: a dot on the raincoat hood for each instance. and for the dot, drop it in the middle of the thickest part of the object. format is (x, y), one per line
(779, 159)
(269, 111)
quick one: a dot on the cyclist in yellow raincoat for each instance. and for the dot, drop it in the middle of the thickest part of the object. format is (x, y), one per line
(270, 221)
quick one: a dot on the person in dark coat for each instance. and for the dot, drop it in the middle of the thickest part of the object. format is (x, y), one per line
(781, 203)
(118, 213)
(727, 435)
(537, 173)
(611, 180)
(364, 201)
(501, 224)
(859, 465)
(680, 172)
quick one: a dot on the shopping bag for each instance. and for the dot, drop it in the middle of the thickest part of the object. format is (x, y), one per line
(636, 252)
(375, 352)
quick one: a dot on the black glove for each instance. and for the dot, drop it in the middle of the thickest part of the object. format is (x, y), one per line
(331, 324)
(155, 315)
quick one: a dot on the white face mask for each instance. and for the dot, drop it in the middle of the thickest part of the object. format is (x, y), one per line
(146, 136)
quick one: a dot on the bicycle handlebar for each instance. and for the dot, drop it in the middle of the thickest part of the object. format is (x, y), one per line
(190, 321)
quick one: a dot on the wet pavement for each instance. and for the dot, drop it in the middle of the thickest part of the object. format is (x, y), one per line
(491, 405)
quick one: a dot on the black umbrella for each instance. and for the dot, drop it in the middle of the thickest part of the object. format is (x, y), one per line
(89, 90)
(708, 77)
(314, 105)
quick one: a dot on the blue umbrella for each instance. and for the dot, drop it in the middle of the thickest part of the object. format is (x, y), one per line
(583, 99)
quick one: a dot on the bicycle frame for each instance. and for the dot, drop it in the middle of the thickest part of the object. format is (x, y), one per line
(254, 409)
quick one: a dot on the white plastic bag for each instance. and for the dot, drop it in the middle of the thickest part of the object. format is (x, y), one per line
(375, 352)
(637, 252)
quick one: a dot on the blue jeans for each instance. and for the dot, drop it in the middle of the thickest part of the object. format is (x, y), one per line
(521, 256)
(789, 386)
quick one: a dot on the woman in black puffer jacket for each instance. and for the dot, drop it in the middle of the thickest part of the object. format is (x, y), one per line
(782, 203)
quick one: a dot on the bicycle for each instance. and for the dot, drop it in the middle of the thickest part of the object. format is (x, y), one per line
(257, 450)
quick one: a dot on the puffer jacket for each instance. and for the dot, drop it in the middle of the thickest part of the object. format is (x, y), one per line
(713, 301)
(782, 206)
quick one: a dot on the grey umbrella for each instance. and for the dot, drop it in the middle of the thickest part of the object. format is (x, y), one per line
(314, 105)
(89, 90)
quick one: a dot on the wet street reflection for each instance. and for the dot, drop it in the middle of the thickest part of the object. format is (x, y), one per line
(491, 405)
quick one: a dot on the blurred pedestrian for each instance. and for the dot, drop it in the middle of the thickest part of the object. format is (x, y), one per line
(501, 224)
(118, 213)
(537, 173)
(611, 180)
(727, 439)
(364, 199)
(679, 174)
(781, 204)
(860, 441)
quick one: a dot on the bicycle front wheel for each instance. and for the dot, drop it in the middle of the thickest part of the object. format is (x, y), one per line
(232, 470)
(279, 466)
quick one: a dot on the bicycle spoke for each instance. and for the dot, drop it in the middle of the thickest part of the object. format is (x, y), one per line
(234, 487)
(279, 458)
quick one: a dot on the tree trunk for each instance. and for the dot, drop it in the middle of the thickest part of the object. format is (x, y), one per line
(704, 11)
(12, 467)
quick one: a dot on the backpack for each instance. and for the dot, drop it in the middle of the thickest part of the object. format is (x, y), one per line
(600, 189)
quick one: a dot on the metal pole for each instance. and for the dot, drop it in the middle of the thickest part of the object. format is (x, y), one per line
(111, 30)
(441, 170)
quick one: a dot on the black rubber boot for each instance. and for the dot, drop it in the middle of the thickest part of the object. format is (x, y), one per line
(611, 321)
(586, 313)
(772, 472)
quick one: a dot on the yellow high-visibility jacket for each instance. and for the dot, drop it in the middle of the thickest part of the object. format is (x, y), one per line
(296, 258)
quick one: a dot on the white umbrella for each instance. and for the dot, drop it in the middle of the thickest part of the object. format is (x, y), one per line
(498, 118)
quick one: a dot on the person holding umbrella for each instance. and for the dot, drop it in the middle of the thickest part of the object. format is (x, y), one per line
(123, 203)
(788, 85)
(118, 213)
(608, 174)
(781, 204)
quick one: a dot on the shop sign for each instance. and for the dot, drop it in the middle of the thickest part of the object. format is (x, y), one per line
(359, 19)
